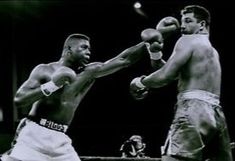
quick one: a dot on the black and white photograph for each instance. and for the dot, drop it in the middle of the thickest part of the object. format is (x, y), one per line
(118, 80)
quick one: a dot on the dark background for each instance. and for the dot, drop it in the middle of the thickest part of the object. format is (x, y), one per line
(33, 32)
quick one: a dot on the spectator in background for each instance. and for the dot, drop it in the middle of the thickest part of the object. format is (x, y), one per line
(133, 147)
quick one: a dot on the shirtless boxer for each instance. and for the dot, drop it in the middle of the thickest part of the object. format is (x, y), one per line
(53, 92)
(198, 131)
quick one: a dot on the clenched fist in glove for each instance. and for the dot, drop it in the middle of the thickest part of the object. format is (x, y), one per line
(137, 90)
(63, 75)
(59, 78)
(167, 26)
(154, 42)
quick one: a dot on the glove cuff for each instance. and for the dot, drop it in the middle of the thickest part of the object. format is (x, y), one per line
(153, 55)
(138, 82)
(49, 87)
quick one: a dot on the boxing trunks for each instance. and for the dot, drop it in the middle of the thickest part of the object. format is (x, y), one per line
(198, 127)
(43, 140)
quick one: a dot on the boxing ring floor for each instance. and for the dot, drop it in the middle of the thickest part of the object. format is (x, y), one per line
(99, 158)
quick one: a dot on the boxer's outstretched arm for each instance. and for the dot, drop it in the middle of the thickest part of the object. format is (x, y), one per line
(126, 58)
(98, 69)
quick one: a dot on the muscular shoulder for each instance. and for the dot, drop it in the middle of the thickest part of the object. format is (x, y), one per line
(184, 44)
(193, 42)
(41, 68)
(41, 71)
(185, 41)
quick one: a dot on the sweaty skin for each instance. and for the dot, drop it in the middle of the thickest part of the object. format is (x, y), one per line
(194, 62)
(198, 130)
(62, 104)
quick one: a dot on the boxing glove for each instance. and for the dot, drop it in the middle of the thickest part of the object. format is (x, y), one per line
(154, 42)
(151, 35)
(63, 75)
(167, 26)
(137, 90)
(59, 78)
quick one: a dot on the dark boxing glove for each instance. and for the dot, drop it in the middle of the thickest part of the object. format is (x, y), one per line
(154, 42)
(59, 78)
(167, 26)
(137, 90)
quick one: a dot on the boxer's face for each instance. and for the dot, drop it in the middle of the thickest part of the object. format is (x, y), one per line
(189, 24)
(80, 52)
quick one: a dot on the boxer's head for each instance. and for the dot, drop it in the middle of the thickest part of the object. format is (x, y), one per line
(195, 19)
(77, 49)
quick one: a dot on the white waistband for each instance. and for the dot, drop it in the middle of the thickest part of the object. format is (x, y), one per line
(201, 95)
